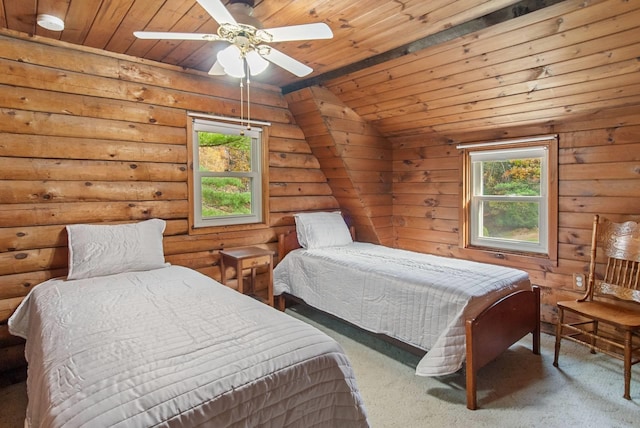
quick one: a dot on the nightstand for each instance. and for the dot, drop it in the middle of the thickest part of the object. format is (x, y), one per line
(248, 258)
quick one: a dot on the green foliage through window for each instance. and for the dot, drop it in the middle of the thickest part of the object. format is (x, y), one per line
(212, 139)
(518, 177)
(225, 196)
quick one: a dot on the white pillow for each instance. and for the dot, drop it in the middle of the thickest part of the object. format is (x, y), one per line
(323, 229)
(98, 250)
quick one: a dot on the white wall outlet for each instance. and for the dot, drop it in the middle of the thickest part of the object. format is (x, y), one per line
(579, 281)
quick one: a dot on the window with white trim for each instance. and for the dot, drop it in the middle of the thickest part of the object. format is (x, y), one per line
(227, 181)
(510, 194)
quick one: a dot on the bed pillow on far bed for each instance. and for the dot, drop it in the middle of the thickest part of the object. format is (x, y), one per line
(322, 229)
(99, 250)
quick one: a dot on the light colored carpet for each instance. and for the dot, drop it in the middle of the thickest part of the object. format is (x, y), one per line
(519, 389)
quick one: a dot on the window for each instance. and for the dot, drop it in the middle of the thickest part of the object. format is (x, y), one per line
(227, 174)
(511, 194)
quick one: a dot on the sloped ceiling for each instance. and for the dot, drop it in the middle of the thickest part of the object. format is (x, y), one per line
(362, 30)
(570, 62)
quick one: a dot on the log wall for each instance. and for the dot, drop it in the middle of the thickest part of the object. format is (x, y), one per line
(92, 137)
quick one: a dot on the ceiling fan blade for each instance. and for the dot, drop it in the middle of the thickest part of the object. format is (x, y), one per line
(318, 30)
(285, 61)
(216, 9)
(174, 36)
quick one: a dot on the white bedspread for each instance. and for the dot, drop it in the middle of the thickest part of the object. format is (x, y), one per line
(420, 299)
(173, 348)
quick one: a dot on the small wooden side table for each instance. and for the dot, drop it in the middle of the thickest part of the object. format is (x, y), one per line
(248, 258)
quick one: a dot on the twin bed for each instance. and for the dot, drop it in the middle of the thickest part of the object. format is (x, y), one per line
(457, 310)
(127, 340)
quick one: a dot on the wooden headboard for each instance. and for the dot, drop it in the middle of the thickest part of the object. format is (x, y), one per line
(287, 242)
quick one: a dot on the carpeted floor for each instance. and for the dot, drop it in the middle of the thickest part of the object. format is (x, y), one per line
(519, 389)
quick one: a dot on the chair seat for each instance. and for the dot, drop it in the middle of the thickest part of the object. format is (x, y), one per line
(624, 317)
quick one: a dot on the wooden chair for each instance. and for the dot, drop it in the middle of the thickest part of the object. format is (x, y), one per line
(613, 300)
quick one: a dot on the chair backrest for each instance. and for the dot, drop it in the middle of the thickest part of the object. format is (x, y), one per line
(620, 244)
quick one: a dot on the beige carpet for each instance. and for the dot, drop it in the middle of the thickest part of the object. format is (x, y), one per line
(519, 389)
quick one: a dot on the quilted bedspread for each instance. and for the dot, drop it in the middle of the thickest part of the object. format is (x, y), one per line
(420, 299)
(171, 347)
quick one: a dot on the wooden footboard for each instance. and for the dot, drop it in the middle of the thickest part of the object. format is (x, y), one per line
(498, 327)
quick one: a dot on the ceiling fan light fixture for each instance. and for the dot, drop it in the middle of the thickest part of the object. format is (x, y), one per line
(256, 63)
(50, 22)
(217, 69)
(231, 60)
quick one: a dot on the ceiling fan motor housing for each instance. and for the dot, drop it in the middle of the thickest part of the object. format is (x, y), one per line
(242, 11)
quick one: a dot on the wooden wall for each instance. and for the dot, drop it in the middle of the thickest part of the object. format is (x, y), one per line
(571, 69)
(598, 173)
(355, 158)
(90, 137)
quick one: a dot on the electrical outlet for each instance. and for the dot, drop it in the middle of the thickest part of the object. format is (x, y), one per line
(578, 281)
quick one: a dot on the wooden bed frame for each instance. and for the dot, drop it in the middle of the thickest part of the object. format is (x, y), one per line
(488, 334)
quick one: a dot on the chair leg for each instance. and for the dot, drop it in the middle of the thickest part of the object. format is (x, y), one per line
(558, 337)
(628, 341)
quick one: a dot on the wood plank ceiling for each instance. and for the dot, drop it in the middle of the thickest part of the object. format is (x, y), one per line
(409, 67)
(571, 62)
(361, 29)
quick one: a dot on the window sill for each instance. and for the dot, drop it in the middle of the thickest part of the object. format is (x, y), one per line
(205, 230)
(507, 258)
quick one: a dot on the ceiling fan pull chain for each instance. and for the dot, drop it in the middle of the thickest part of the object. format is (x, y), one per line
(241, 105)
(248, 104)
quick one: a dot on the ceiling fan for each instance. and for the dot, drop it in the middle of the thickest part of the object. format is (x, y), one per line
(248, 42)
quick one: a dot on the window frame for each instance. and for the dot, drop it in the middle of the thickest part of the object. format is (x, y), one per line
(489, 249)
(259, 175)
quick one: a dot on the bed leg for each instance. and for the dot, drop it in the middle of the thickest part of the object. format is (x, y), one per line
(472, 403)
(470, 368)
(536, 331)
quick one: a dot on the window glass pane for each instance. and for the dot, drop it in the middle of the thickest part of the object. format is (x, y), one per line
(516, 177)
(222, 152)
(225, 196)
(516, 221)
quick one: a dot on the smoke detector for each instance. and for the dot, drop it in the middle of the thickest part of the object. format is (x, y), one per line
(50, 22)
